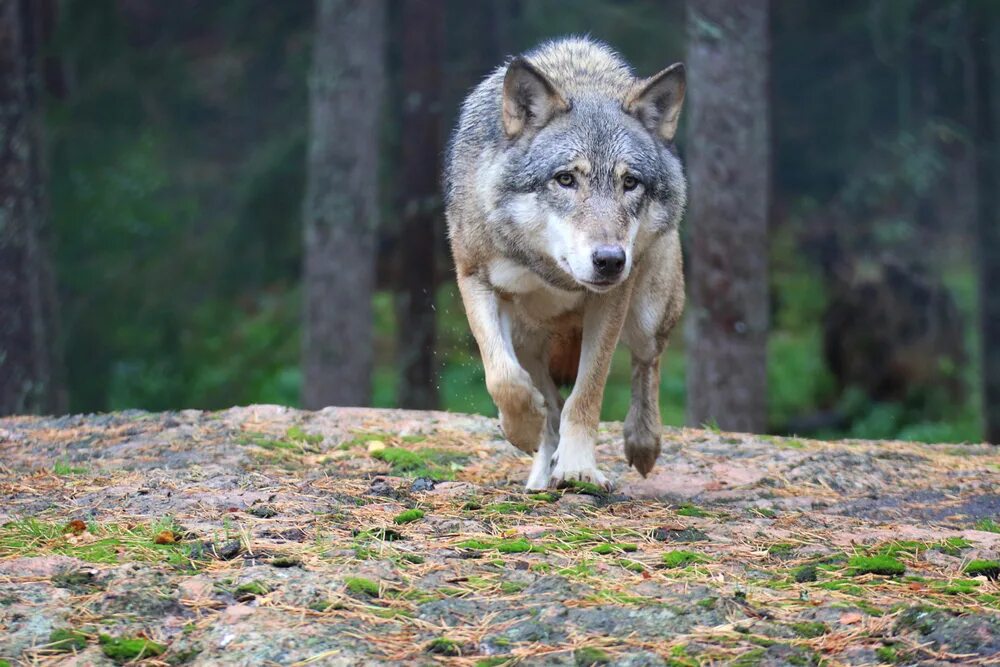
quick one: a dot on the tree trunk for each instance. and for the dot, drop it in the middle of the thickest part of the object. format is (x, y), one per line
(341, 206)
(28, 368)
(728, 147)
(420, 203)
(985, 73)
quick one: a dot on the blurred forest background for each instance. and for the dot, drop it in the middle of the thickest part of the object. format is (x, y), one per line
(170, 190)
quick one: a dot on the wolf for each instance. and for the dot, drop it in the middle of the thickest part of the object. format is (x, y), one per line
(563, 197)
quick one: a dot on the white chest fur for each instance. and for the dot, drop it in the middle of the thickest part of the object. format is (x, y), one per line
(538, 298)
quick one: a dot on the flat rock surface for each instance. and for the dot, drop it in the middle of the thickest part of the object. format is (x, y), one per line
(271, 536)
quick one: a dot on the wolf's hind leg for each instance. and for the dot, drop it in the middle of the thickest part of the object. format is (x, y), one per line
(642, 424)
(532, 353)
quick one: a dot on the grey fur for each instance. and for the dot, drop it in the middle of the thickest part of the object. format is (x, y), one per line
(537, 175)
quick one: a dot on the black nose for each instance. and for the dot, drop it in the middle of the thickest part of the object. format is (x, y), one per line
(609, 260)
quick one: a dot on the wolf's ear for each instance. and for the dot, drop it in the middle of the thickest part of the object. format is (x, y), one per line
(656, 101)
(529, 99)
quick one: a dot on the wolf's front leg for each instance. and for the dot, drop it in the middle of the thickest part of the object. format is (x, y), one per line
(532, 349)
(575, 459)
(521, 406)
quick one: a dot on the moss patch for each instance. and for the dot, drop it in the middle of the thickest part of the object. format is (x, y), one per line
(124, 649)
(362, 586)
(683, 558)
(983, 568)
(882, 564)
(409, 516)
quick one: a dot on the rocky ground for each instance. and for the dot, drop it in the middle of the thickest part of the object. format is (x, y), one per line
(270, 536)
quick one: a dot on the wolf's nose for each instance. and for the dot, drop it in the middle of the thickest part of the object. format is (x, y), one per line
(609, 260)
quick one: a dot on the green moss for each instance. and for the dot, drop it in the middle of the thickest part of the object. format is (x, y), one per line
(957, 587)
(430, 463)
(902, 548)
(124, 649)
(508, 508)
(691, 510)
(517, 546)
(632, 565)
(749, 659)
(810, 629)
(65, 640)
(842, 586)
(510, 587)
(780, 549)
(443, 646)
(545, 497)
(680, 558)
(887, 654)
(614, 547)
(253, 588)
(478, 545)
(765, 512)
(953, 546)
(111, 543)
(983, 568)
(586, 488)
(295, 433)
(881, 564)
(494, 661)
(589, 656)
(505, 546)
(409, 516)
(988, 525)
(64, 469)
(362, 586)
(804, 574)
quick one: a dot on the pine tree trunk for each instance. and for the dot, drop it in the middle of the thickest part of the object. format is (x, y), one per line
(28, 370)
(341, 206)
(728, 160)
(420, 204)
(985, 72)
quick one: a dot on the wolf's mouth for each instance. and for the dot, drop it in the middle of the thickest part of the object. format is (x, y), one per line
(600, 285)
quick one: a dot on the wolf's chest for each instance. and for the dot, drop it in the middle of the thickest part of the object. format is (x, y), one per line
(531, 295)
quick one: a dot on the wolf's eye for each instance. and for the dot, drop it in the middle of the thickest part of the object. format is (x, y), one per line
(630, 182)
(565, 179)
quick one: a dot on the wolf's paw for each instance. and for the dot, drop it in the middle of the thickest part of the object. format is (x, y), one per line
(538, 480)
(522, 413)
(641, 451)
(642, 444)
(567, 468)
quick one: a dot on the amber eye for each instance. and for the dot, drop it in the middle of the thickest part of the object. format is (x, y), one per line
(565, 179)
(630, 182)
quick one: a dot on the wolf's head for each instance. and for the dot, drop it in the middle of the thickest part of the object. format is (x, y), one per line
(588, 178)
